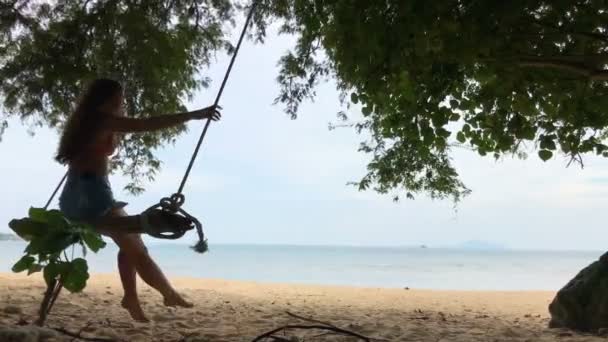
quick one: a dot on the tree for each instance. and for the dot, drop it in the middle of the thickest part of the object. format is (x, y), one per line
(155, 48)
(427, 76)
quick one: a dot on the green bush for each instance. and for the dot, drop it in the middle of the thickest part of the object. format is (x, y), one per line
(49, 235)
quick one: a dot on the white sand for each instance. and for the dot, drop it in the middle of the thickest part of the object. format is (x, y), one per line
(239, 311)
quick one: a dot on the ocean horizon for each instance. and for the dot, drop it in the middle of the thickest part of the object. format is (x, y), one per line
(414, 267)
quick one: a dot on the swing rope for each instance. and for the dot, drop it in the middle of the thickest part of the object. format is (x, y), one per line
(219, 95)
(46, 206)
(174, 203)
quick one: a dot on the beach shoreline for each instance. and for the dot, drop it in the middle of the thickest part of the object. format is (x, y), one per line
(240, 311)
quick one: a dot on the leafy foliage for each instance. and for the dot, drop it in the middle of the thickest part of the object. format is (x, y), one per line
(49, 234)
(494, 76)
(155, 48)
(430, 75)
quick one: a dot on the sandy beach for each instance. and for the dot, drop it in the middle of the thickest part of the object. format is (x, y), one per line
(240, 311)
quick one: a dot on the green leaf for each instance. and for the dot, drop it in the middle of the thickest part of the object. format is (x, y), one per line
(51, 243)
(600, 148)
(93, 240)
(461, 138)
(428, 135)
(354, 98)
(76, 278)
(367, 110)
(34, 268)
(550, 145)
(27, 228)
(23, 264)
(547, 143)
(38, 215)
(529, 133)
(439, 119)
(442, 132)
(54, 270)
(545, 154)
(54, 218)
(409, 95)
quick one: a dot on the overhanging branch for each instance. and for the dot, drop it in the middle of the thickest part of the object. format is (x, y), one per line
(591, 73)
(564, 30)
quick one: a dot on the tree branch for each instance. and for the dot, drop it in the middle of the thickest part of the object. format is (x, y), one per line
(591, 73)
(589, 66)
(78, 336)
(561, 29)
(600, 75)
(586, 60)
(316, 325)
(309, 327)
(312, 320)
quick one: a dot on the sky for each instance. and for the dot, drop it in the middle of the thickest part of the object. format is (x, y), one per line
(262, 178)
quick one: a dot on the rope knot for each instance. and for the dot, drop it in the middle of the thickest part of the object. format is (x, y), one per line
(173, 203)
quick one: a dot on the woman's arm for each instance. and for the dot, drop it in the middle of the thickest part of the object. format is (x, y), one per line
(131, 125)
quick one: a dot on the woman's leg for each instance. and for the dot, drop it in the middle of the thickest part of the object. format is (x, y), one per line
(128, 278)
(118, 222)
(135, 256)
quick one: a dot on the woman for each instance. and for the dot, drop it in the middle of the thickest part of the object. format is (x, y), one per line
(89, 138)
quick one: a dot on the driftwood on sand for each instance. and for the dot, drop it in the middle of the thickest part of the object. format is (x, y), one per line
(327, 328)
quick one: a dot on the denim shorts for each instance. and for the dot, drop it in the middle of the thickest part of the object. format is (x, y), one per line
(87, 197)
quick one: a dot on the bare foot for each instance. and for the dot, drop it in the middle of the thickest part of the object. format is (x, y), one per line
(177, 300)
(135, 310)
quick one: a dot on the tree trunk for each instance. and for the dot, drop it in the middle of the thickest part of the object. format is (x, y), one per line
(50, 296)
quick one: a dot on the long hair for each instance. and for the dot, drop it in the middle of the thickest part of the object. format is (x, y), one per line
(82, 126)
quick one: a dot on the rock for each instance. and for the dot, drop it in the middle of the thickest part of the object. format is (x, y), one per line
(12, 310)
(582, 304)
(25, 334)
(194, 339)
(160, 317)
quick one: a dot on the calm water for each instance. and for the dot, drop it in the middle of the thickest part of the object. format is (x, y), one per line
(356, 266)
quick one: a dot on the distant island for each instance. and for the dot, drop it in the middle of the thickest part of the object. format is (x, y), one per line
(481, 245)
(9, 237)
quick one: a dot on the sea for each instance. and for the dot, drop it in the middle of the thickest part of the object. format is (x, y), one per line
(377, 267)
